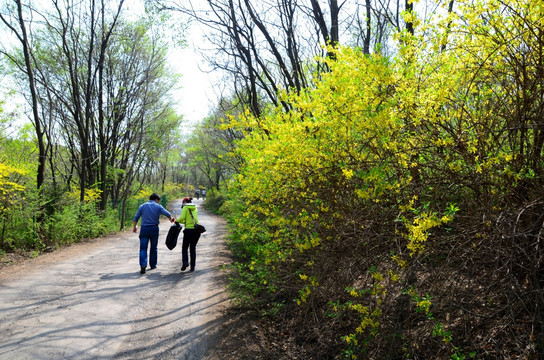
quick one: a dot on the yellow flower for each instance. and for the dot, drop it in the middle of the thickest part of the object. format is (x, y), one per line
(347, 173)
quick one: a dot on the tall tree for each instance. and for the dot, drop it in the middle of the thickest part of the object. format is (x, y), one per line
(209, 147)
(79, 51)
(268, 46)
(106, 32)
(14, 19)
(140, 123)
(103, 86)
(264, 46)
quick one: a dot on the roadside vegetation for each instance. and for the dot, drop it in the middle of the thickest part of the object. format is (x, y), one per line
(87, 125)
(382, 177)
(393, 208)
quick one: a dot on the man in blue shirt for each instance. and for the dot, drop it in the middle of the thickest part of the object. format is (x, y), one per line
(149, 232)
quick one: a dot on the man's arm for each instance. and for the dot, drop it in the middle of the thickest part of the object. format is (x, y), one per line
(167, 213)
(136, 218)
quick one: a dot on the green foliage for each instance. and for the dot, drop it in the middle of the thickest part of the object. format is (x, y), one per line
(31, 220)
(215, 200)
(5, 120)
(174, 191)
(386, 160)
(67, 222)
(208, 147)
(441, 332)
(74, 223)
(101, 147)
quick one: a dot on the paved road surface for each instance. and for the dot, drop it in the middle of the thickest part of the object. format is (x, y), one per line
(90, 301)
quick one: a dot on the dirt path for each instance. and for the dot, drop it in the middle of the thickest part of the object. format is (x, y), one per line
(89, 301)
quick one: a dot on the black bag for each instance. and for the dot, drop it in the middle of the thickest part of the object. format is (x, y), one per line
(172, 236)
(199, 228)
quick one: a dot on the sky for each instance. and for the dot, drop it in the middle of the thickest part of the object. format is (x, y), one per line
(196, 97)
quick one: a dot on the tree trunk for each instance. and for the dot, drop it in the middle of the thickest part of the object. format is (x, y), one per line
(366, 45)
(23, 38)
(450, 9)
(102, 146)
(410, 9)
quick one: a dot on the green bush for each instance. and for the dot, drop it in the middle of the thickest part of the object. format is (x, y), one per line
(80, 221)
(18, 227)
(214, 201)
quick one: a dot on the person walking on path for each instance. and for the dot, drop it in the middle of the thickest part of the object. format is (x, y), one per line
(150, 213)
(189, 216)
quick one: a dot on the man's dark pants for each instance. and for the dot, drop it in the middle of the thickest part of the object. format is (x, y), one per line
(149, 235)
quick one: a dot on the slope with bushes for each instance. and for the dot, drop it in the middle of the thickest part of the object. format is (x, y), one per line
(397, 212)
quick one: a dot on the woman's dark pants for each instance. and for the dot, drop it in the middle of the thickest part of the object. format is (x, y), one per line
(190, 239)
